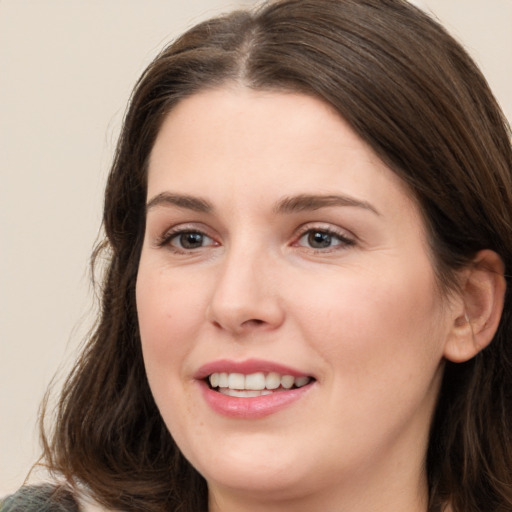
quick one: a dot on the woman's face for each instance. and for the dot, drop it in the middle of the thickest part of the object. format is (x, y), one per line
(280, 251)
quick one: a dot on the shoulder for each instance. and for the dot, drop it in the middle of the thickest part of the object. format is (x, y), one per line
(40, 498)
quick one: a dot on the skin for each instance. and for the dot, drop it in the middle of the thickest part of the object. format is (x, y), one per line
(363, 315)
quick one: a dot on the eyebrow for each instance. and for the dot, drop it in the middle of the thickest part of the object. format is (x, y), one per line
(196, 204)
(291, 204)
(306, 202)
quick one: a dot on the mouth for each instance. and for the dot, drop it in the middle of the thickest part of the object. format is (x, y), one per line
(254, 384)
(253, 388)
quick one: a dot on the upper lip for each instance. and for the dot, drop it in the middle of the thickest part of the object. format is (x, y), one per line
(246, 367)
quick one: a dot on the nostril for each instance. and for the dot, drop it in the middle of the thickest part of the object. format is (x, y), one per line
(217, 324)
(253, 322)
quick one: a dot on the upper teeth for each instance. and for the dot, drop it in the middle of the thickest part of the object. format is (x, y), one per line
(256, 381)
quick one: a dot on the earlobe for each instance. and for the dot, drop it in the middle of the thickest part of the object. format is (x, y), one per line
(482, 296)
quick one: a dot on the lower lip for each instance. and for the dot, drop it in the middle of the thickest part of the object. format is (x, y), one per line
(253, 407)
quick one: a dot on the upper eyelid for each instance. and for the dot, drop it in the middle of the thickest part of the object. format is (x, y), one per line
(327, 227)
(168, 234)
(181, 227)
(304, 228)
(186, 227)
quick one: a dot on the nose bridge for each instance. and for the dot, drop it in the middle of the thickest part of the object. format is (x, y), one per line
(245, 294)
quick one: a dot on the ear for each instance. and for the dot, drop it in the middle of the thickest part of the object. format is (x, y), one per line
(478, 308)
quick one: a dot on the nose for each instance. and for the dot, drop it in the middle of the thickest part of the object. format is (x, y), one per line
(246, 295)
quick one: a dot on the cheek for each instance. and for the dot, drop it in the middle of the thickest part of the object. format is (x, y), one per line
(381, 339)
(390, 321)
(168, 319)
(168, 316)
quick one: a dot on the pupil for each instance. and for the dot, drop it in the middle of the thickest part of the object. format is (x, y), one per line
(319, 240)
(191, 240)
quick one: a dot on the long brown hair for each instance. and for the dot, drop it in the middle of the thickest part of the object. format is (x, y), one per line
(413, 94)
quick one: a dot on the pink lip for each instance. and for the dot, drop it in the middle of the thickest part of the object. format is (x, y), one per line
(254, 407)
(246, 367)
(251, 408)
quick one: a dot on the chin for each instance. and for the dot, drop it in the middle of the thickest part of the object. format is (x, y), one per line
(260, 484)
(257, 467)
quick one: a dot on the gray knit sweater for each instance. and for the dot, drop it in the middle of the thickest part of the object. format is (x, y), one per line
(40, 498)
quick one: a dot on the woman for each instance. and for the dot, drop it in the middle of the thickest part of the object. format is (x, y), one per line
(308, 228)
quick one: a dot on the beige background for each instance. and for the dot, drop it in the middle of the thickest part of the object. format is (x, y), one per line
(66, 70)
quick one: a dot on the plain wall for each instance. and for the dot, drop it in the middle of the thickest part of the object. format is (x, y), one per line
(66, 71)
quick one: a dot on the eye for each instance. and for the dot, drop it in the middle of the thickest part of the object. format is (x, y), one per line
(323, 239)
(189, 240)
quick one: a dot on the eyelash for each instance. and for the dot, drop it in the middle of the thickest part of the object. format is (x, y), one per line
(169, 236)
(343, 240)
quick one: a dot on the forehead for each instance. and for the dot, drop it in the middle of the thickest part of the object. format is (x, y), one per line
(232, 140)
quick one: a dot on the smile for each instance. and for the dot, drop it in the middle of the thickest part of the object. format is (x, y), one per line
(253, 388)
(254, 384)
